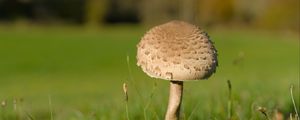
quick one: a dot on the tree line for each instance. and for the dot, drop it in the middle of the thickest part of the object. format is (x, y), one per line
(262, 13)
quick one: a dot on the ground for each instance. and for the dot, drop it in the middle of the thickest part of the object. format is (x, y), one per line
(75, 73)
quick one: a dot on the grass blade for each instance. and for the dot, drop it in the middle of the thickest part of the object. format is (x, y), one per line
(294, 103)
(229, 104)
(125, 90)
(50, 107)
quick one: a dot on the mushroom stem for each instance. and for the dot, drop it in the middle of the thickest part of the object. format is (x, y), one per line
(175, 97)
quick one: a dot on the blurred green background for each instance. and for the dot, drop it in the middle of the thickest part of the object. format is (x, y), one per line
(68, 60)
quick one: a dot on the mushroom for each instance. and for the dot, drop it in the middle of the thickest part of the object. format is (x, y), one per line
(176, 51)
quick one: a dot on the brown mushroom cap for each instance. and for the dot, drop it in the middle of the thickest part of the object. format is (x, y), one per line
(177, 51)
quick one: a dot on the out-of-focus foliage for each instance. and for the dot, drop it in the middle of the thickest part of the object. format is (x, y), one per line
(95, 11)
(42, 11)
(215, 11)
(258, 13)
(279, 13)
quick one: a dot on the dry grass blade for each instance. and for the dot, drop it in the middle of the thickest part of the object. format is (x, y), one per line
(125, 90)
(263, 110)
(3, 103)
(294, 103)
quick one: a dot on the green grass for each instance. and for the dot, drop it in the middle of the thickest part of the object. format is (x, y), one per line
(83, 71)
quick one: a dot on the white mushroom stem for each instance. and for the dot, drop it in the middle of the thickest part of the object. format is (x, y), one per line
(176, 89)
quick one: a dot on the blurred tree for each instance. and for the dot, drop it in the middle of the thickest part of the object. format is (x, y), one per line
(95, 11)
(42, 11)
(259, 13)
(59, 11)
(279, 14)
(122, 11)
(14, 9)
(188, 10)
(215, 11)
(159, 11)
(245, 11)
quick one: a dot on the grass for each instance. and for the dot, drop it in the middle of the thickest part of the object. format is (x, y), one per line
(84, 70)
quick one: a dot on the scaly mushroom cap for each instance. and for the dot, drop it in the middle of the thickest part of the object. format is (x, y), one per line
(177, 51)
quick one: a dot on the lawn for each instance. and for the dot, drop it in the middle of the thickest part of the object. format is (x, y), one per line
(70, 73)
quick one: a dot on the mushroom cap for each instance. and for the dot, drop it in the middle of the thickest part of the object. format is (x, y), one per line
(177, 51)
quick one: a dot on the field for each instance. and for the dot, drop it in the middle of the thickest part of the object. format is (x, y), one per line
(73, 73)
